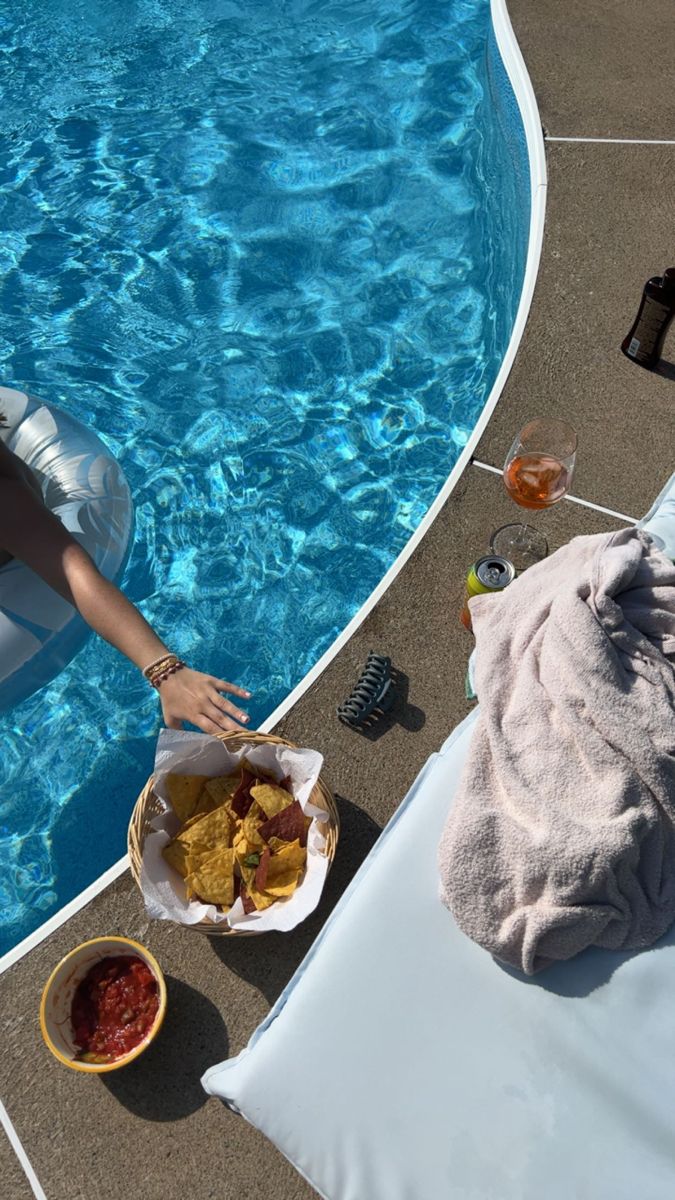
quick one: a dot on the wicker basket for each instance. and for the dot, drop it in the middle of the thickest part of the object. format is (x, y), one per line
(149, 805)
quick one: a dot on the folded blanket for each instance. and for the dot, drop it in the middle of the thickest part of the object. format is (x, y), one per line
(562, 832)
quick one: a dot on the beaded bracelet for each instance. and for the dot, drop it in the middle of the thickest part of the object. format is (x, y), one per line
(162, 664)
(158, 671)
(157, 664)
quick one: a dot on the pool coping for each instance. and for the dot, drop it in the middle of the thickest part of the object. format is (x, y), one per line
(525, 98)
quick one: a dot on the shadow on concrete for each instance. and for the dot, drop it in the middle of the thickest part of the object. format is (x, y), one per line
(269, 960)
(163, 1084)
(402, 713)
(590, 970)
(665, 369)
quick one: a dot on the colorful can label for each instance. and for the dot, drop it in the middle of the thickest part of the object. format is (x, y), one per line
(490, 574)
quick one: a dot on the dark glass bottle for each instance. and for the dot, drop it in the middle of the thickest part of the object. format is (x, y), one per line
(644, 341)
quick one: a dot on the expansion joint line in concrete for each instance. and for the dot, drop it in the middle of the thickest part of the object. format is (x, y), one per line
(609, 512)
(17, 1147)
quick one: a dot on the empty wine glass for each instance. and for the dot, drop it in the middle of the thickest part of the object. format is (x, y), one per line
(537, 473)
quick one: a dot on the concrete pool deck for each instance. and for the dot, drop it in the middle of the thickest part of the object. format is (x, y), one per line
(609, 222)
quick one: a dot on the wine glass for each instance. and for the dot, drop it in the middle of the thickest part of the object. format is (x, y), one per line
(537, 473)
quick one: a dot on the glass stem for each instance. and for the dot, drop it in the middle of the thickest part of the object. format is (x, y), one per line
(521, 540)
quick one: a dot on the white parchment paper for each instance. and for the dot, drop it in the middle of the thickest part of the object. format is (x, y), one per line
(198, 754)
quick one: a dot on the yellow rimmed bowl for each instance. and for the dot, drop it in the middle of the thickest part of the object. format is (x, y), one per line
(57, 999)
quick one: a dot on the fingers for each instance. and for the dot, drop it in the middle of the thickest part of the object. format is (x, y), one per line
(211, 721)
(226, 706)
(217, 725)
(223, 686)
(208, 726)
(191, 696)
(213, 713)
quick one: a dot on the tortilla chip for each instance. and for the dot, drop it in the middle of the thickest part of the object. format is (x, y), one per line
(214, 830)
(275, 876)
(248, 874)
(272, 799)
(213, 880)
(222, 788)
(196, 817)
(249, 903)
(261, 900)
(251, 825)
(292, 857)
(176, 854)
(242, 798)
(260, 877)
(249, 906)
(196, 853)
(275, 844)
(217, 793)
(243, 850)
(205, 804)
(290, 825)
(184, 792)
(261, 774)
(284, 889)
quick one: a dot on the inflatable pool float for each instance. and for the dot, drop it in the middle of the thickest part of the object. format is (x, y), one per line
(84, 486)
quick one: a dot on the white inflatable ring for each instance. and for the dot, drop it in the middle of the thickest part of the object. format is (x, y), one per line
(82, 483)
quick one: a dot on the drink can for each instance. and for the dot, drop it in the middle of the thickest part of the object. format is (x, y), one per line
(490, 574)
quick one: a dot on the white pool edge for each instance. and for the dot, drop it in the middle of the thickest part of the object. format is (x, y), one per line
(523, 91)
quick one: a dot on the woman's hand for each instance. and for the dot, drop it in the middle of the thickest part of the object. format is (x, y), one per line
(190, 696)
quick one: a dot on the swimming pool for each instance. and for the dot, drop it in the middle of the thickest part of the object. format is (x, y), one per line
(272, 253)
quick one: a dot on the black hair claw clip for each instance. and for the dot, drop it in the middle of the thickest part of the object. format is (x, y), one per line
(374, 693)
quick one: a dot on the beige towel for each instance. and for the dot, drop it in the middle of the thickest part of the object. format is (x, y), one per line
(562, 832)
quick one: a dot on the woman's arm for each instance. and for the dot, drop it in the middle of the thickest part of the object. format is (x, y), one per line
(30, 532)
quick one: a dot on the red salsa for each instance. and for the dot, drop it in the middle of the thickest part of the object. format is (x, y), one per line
(114, 1007)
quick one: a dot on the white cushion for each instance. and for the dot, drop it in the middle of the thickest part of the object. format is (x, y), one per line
(402, 1063)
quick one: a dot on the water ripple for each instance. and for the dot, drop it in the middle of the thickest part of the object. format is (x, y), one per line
(252, 245)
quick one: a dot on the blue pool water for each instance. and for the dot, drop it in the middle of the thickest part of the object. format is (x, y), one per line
(272, 253)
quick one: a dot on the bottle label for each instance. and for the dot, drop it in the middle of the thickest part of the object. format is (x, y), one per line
(651, 323)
